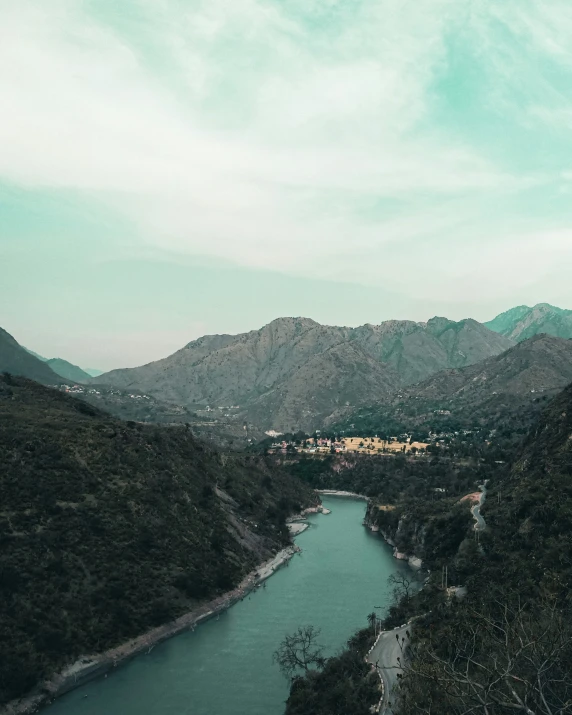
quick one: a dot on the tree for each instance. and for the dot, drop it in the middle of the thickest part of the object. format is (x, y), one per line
(299, 652)
(403, 585)
(372, 620)
(505, 659)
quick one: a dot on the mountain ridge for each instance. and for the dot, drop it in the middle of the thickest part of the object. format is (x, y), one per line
(289, 354)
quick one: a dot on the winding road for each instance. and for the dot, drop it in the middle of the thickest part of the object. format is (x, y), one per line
(384, 656)
(480, 524)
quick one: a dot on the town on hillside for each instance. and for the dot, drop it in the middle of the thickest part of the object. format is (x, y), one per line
(365, 445)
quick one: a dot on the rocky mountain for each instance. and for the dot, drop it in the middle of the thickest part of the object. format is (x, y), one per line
(16, 360)
(523, 322)
(296, 373)
(514, 384)
(67, 370)
(111, 528)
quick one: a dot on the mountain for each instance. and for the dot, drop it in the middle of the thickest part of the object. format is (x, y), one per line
(296, 373)
(92, 372)
(18, 361)
(110, 528)
(67, 370)
(512, 386)
(523, 322)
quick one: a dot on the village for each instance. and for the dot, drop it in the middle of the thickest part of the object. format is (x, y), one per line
(364, 445)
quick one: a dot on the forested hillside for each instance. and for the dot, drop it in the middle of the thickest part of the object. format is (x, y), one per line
(109, 528)
(506, 646)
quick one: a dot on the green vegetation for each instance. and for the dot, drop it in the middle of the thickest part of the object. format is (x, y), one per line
(506, 646)
(340, 685)
(110, 528)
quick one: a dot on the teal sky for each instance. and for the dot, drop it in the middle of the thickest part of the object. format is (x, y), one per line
(172, 168)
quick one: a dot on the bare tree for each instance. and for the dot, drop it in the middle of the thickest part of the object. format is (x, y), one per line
(509, 660)
(300, 652)
(403, 585)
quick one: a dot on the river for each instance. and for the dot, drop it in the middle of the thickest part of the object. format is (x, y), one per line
(225, 667)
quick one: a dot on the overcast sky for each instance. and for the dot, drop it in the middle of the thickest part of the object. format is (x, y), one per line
(171, 168)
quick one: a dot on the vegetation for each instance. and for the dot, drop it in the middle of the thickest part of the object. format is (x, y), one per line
(110, 528)
(506, 646)
(340, 685)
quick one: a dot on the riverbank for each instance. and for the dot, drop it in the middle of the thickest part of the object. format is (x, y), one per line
(88, 668)
(338, 493)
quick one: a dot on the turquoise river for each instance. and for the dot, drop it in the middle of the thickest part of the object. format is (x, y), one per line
(225, 666)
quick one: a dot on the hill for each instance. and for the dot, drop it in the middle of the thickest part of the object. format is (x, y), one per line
(296, 373)
(18, 361)
(523, 322)
(67, 370)
(505, 390)
(109, 528)
(516, 618)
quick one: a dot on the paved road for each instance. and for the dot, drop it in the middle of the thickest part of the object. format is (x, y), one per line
(385, 654)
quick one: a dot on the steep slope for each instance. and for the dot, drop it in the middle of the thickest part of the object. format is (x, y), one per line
(67, 370)
(541, 364)
(269, 373)
(512, 386)
(18, 361)
(110, 528)
(523, 322)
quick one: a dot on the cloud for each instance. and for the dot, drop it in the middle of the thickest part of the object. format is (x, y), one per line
(290, 136)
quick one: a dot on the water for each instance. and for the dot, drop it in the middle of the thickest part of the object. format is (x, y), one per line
(225, 667)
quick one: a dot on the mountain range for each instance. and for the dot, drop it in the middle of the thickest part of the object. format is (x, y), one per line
(296, 373)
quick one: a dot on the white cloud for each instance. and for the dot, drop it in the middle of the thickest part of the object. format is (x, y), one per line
(232, 129)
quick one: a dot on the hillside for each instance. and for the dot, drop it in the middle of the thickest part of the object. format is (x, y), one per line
(523, 322)
(516, 618)
(510, 387)
(110, 528)
(67, 370)
(295, 372)
(18, 361)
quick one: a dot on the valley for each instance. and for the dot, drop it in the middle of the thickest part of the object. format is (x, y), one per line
(150, 520)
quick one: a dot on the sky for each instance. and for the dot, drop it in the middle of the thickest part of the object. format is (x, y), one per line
(172, 168)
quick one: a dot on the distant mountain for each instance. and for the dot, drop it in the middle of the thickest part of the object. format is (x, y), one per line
(67, 370)
(92, 372)
(511, 386)
(16, 360)
(523, 322)
(296, 373)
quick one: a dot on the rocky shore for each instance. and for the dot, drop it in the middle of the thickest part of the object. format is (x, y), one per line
(87, 668)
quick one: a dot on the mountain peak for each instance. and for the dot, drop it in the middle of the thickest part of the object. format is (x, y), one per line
(523, 322)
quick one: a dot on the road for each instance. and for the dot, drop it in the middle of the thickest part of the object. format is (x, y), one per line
(385, 654)
(480, 523)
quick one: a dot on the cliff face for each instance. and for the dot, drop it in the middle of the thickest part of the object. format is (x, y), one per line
(422, 532)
